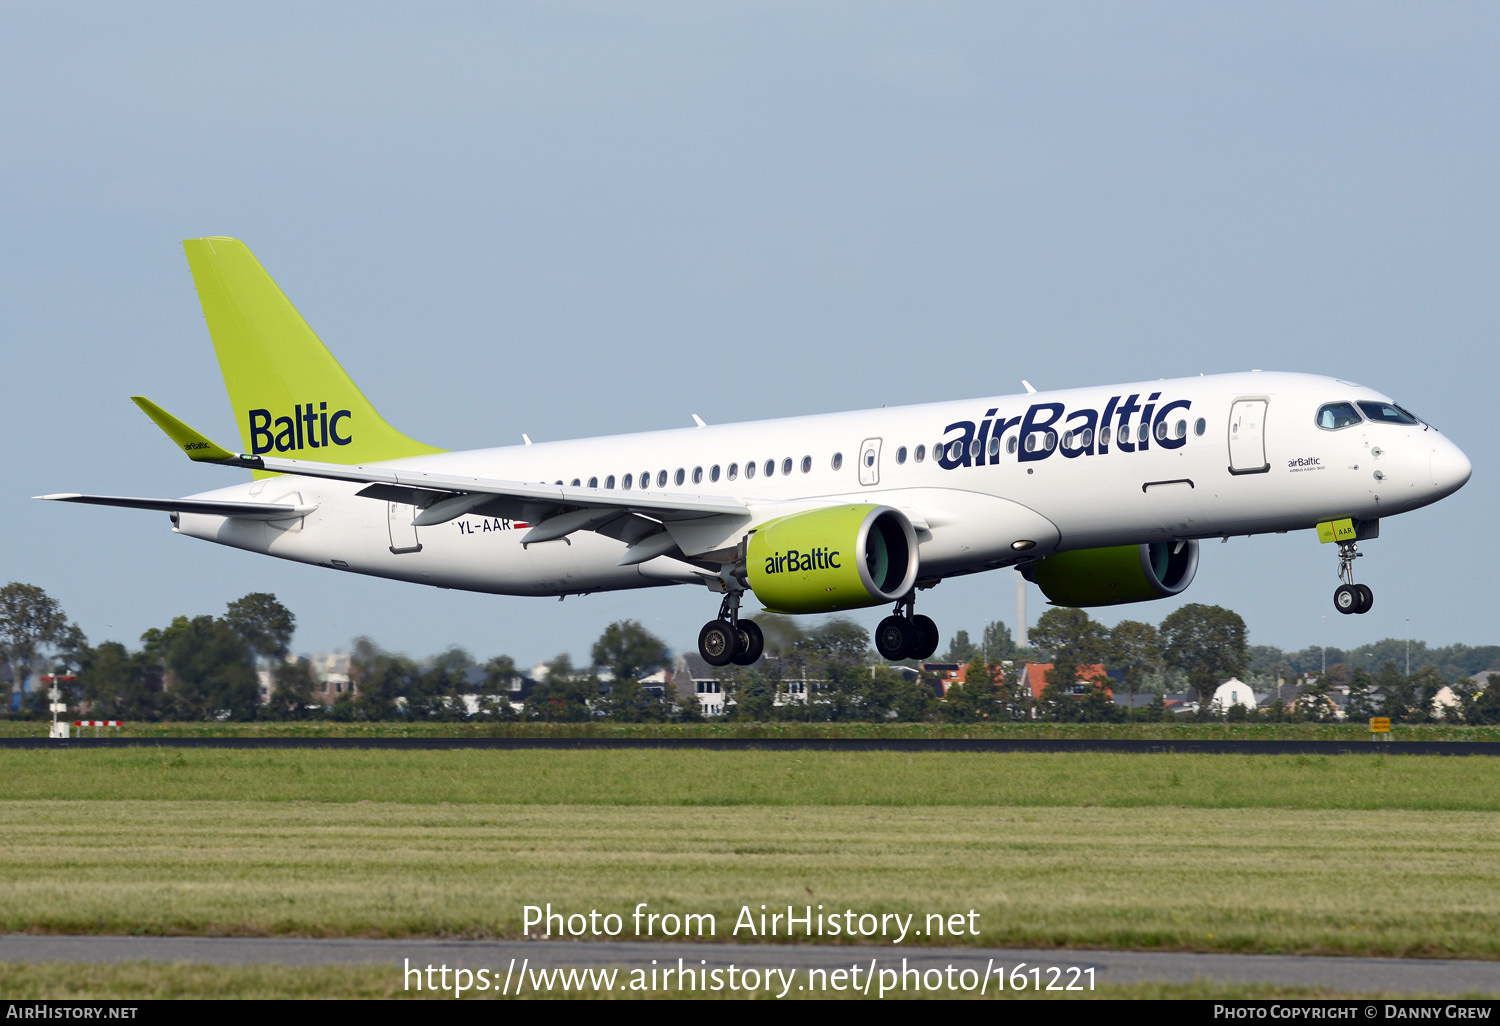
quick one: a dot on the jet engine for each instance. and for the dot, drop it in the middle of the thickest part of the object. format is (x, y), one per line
(1119, 573)
(824, 560)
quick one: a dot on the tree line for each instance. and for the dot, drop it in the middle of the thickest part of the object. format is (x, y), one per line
(205, 667)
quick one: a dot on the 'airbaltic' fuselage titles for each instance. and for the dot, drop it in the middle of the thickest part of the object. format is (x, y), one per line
(1052, 427)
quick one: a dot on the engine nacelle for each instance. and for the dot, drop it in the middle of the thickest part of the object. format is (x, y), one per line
(1120, 573)
(824, 560)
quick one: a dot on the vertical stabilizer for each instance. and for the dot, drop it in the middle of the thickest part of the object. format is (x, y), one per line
(290, 396)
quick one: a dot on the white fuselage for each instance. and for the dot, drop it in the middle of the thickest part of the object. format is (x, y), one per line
(1223, 455)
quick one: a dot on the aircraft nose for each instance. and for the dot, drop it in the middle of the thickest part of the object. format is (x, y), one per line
(1450, 467)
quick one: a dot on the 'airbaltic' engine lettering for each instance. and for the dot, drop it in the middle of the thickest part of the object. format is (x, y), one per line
(1046, 428)
(321, 429)
(792, 561)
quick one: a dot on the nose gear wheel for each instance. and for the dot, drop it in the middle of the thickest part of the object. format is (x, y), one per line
(1350, 597)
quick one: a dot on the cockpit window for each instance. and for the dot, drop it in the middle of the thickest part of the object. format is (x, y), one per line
(1333, 416)
(1387, 413)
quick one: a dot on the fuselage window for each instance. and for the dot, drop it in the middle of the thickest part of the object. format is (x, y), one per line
(1332, 416)
(1088, 438)
(680, 476)
(1031, 443)
(1067, 439)
(806, 464)
(1161, 431)
(838, 460)
(609, 482)
(713, 472)
(1049, 440)
(770, 467)
(1387, 413)
(734, 471)
(1200, 426)
(558, 483)
(575, 483)
(956, 451)
(1143, 433)
(593, 482)
(920, 454)
(697, 475)
(1181, 431)
(625, 484)
(1010, 446)
(1124, 433)
(901, 455)
(1104, 440)
(750, 469)
(786, 466)
(994, 447)
(645, 480)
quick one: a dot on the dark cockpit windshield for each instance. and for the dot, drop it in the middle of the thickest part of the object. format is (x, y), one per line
(1386, 413)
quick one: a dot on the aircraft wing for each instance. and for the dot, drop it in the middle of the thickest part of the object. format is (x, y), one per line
(554, 511)
(216, 507)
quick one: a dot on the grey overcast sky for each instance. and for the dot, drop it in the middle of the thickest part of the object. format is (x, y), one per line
(573, 219)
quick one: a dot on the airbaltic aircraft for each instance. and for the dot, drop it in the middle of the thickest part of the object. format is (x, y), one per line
(1098, 495)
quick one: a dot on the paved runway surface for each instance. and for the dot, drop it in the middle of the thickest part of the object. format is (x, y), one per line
(793, 744)
(1358, 975)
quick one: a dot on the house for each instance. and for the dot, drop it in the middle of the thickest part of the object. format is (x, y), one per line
(1231, 693)
(1036, 678)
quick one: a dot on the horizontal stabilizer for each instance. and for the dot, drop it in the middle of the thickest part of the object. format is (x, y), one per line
(210, 507)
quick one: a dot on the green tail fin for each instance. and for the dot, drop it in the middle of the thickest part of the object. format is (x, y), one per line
(290, 396)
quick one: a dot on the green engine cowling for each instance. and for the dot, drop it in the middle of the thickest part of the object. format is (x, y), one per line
(824, 560)
(1120, 573)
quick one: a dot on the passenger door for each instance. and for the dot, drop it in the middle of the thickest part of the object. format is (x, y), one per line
(1247, 437)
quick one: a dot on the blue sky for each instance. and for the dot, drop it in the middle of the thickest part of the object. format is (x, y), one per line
(577, 219)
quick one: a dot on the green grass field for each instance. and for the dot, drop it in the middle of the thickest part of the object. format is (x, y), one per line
(1344, 855)
(1176, 731)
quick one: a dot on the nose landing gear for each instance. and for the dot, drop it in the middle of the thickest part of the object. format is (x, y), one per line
(1350, 597)
(904, 635)
(729, 639)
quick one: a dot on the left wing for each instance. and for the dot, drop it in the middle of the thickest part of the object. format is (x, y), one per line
(642, 520)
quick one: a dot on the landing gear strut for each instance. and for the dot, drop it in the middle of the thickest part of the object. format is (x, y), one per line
(1350, 597)
(729, 639)
(903, 635)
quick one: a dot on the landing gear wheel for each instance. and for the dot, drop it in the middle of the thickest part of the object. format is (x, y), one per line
(1347, 599)
(718, 642)
(927, 634)
(1366, 598)
(894, 637)
(752, 643)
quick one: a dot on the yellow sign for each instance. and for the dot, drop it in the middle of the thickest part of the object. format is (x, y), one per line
(1336, 530)
(1380, 724)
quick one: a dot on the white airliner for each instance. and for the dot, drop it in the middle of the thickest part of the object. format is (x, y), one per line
(1098, 495)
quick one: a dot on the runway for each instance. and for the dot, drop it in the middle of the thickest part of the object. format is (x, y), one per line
(1386, 976)
(788, 744)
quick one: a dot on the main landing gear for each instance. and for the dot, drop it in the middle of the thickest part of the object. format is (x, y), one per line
(1350, 597)
(728, 639)
(905, 636)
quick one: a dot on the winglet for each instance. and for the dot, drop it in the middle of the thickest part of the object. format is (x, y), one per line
(196, 445)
